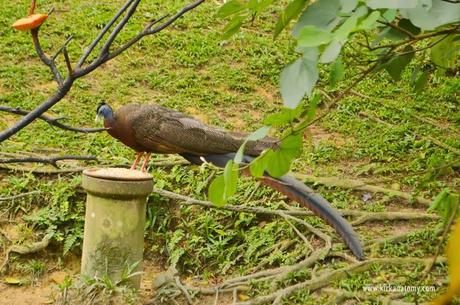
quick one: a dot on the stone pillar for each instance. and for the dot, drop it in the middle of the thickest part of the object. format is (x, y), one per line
(114, 223)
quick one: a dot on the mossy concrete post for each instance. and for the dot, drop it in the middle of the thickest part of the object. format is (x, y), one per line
(114, 223)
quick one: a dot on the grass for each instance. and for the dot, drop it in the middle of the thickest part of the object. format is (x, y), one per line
(231, 84)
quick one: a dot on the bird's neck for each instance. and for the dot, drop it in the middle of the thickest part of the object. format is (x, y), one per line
(109, 121)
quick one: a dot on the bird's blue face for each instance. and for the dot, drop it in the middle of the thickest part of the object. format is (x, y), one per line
(104, 111)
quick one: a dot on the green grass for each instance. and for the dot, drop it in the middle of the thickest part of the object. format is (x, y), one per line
(231, 84)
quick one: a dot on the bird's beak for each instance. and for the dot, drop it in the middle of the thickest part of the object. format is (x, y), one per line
(98, 117)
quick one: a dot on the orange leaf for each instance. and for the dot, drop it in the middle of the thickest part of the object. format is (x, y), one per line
(30, 22)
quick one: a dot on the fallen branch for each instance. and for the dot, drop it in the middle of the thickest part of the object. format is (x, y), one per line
(19, 196)
(360, 185)
(52, 160)
(52, 121)
(42, 171)
(26, 249)
(380, 216)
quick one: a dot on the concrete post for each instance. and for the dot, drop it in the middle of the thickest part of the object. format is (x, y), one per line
(114, 222)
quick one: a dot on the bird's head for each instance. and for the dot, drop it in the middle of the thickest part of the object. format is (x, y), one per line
(104, 111)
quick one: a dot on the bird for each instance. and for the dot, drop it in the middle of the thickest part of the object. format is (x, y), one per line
(151, 128)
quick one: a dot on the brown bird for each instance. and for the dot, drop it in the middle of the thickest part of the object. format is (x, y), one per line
(150, 128)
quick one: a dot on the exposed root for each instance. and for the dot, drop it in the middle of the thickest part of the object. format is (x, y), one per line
(26, 249)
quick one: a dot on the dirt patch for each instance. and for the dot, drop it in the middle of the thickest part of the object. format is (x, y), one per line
(318, 134)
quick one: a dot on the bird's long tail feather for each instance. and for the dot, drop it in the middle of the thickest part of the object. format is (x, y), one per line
(297, 191)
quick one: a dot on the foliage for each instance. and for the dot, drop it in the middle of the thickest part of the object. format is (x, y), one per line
(393, 33)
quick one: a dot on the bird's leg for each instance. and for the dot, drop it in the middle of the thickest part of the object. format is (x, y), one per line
(136, 161)
(146, 161)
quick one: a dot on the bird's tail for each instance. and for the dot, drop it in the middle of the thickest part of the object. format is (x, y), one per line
(297, 191)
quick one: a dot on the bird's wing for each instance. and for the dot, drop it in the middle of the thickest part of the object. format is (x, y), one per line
(167, 131)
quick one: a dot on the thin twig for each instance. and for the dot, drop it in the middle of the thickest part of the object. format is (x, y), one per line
(45, 59)
(101, 34)
(9, 198)
(52, 121)
(50, 160)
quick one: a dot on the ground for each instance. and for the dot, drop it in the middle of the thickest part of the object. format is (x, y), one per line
(382, 133)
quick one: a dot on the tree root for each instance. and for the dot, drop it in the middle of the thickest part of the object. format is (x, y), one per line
(26, 249)
(19, 196)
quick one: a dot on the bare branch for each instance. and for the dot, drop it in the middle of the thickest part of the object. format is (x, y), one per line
(148, 31)
(67, 61)
(52, 121)
(101, 34)
(117, 30)
(66, 85)
(66, 43)
(45, 59)
(9, 198)
(52, 160)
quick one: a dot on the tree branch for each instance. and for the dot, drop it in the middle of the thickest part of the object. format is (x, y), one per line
(45, 59)
(9, 198)
(101, 34)
(51, 160)
(65, 85)
(52, 121)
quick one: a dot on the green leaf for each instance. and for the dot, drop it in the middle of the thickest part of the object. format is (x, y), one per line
(299, 78)
(256, 135)
(370, 21)
(257, 167)
(429, 15)
(232, 27)
(331, 52)
(216, 191)
(389, 15)
(445, 53)
(258, 6)
(292, 11)
(408, 26)
(279, 160)
(259, 133)
(337, 72)
(348, 5)
(311, 36)
(322, 14)
(397, 64)
(394, 4)
(349, 25)
(445, 204)
(224, 186)
(286, 115)
(421, 81)
(230, 179)
(230, 8)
